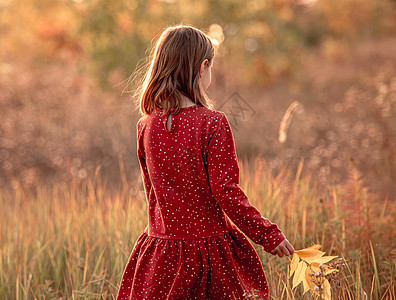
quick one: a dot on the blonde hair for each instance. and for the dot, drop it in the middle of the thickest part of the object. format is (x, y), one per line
(173, 70)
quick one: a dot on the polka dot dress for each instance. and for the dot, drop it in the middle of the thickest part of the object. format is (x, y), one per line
(193, 246)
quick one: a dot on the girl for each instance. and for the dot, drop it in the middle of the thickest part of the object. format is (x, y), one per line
(190, 248)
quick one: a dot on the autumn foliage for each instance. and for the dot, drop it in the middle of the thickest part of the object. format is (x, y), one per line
(309, 267)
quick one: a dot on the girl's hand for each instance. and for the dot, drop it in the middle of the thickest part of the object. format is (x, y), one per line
(283, 248)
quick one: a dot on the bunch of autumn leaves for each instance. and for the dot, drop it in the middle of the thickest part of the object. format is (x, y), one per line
(309, 267)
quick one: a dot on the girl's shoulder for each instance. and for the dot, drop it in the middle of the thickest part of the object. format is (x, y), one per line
(140, 123)
(214, 114)
(215, 120)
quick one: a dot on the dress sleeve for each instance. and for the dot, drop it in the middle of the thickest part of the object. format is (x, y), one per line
(223, 173)
(142, 160)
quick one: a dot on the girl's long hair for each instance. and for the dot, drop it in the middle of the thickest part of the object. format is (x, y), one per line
(173, 70)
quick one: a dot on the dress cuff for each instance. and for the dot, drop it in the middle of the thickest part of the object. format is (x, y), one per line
(271, 241)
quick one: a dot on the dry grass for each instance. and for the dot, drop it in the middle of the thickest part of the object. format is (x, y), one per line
(73, 240)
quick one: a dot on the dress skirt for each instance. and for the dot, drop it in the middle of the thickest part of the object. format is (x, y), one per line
(217, 267)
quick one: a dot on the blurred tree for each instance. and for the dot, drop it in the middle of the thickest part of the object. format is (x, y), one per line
(260, 37)
(356, 18)
(263, 39)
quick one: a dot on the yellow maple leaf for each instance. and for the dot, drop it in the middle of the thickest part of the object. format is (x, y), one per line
(294, 264)
(299, 273)
(318, 259)
(308, 278)
(326, 290)
(330, 270)
(314, 266)
(305, 285)
(314, 247)
(309, 253)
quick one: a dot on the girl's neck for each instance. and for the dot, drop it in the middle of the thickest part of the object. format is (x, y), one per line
(186, 102)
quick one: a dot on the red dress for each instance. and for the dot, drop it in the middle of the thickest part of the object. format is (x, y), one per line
(190, 249)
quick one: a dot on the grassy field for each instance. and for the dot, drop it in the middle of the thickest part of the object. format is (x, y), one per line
(72, 240)
(67, 227)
